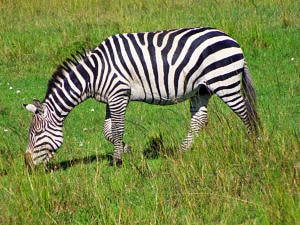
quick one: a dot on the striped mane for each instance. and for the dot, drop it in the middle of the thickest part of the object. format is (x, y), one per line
(65, 68)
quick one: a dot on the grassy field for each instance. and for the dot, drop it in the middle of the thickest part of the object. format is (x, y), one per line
(224, 179)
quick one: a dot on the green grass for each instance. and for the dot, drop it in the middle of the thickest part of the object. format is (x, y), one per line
(224, 179)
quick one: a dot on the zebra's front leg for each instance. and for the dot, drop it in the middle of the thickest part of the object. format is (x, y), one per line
(107, 131)
(199, 120)
(117, 112)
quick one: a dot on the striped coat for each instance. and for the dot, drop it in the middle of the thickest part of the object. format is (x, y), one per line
(163, 67)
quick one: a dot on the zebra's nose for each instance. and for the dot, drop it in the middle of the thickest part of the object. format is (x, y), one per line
(28, 161)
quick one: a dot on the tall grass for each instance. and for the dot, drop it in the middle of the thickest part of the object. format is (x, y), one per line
(224, 179)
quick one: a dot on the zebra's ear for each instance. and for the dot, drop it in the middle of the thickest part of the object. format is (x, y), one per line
(30, 107)
(39, 106)
(35, 108)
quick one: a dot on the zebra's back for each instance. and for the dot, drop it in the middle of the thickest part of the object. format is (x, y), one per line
(166, 67)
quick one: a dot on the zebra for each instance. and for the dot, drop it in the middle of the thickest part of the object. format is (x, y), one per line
(163, 67)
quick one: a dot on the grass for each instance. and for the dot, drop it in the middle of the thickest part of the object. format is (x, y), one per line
(224, 179)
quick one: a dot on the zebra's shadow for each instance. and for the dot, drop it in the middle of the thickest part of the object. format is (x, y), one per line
(154, 149)
(157, 148)
(64, 165)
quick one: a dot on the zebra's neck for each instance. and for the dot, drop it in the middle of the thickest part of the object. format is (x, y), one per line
(57, 109)
(70, 85)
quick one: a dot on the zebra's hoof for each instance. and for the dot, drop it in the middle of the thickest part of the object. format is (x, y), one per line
(116, 162)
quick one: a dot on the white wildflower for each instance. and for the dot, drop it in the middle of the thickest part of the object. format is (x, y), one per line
(18, 92)
(80, 144)
(5, 130)
(92, 110)
(292, 59)
(85, 129)
(10, 88)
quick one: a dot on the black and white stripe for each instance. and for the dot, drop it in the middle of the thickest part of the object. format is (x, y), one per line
(164, 67)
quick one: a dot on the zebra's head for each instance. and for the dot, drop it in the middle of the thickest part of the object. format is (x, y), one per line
(45, 136)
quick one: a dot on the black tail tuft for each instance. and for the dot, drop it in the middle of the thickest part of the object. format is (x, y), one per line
(250, 99)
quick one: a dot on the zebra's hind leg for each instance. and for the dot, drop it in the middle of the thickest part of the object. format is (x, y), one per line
(237, 104)
(199, 120)
(108, 133)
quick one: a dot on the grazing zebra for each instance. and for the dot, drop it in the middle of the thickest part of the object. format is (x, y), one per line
(163, 67)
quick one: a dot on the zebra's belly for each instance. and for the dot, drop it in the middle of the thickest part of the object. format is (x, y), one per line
(161, 101)
(159, 98)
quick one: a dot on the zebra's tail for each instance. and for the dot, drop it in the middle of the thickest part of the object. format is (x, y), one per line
(250, 100)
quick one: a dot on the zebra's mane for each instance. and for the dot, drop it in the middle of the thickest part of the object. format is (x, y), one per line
(65, 68)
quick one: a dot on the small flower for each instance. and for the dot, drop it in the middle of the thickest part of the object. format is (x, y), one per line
(5, 130)
(18, 92)
(292, 59)
(85, 129)
(80, 144)
(92, 110)
(10, 88)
